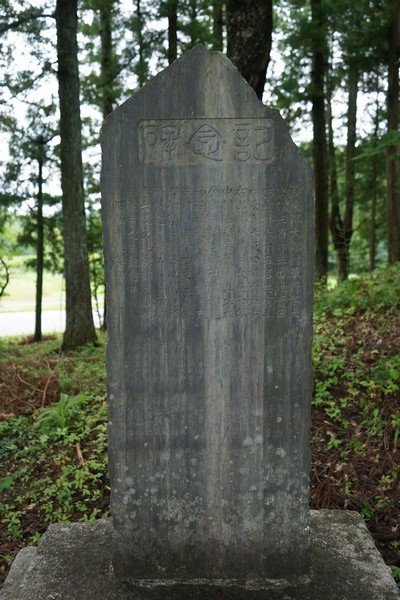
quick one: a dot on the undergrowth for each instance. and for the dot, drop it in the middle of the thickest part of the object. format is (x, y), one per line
(53, 435)
(356, 404)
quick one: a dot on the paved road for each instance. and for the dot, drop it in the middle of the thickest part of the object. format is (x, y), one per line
(23, 323)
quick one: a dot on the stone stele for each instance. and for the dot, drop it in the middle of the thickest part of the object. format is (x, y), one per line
(208, 220)
(208, 227)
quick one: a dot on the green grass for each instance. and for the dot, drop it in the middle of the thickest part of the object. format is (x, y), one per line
(377, 290)
(21, 291)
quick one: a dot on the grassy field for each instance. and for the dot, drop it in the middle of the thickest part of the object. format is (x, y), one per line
(53, 417)
(21, 291)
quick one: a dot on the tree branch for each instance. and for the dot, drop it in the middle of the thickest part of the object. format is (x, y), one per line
(24, 18)
(7, 277)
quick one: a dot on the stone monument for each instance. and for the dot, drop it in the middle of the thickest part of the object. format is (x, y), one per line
(208, 229)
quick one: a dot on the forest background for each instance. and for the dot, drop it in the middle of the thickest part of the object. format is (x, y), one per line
(331, 67)
(333, 72)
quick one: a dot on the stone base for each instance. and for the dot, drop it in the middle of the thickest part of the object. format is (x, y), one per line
(73, 562)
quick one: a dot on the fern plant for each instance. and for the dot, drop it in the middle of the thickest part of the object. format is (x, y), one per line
(60, 415)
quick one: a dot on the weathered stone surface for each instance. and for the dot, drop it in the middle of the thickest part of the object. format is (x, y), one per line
(208, 230)
(16, 582)
(73, 562)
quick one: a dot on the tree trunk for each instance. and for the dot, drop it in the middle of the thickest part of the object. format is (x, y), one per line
(335, 221)
(372, 235)
(217, 13)
(141, 71)
(107, 77)
(350, 169)
(342, 229)
(5, 278)
(374, 178)
(393, 155)
(106, 58)
(193, 23)
(104, 321)
(79, 318)
(249, 34)
(319, 139)
(39, 251)
(172, 9)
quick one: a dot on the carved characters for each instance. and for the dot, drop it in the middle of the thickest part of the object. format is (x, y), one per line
(206, 141)
(253, 142)
(182, 142)
(242, 141)
(169, 135)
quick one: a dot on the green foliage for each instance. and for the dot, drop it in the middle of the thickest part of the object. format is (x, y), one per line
(54, 462)
(6, 483)
(195, 23)
(356, 414)
(396, 573)
(59, 417)
(377, 290)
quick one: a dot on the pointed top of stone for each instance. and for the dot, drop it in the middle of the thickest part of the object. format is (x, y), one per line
(201, 82)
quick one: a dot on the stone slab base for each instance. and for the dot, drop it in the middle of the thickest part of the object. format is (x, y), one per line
(73, 562)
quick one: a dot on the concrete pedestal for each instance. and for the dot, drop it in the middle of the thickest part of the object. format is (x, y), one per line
(73, 562)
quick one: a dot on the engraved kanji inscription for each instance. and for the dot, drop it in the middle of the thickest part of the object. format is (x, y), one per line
(242, 141)
(180, 142)
(207, 142)
(169, 135)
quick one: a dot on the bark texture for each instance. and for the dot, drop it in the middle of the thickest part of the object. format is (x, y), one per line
(106, 57)
(194, 40)
(319, 139)
(218, 22)
(249, 33)
(141, 71)
(374, 180)
(108, 73)
(39, 248)
(350, 171)
(79, 318)
(342, 229)
(372, 233)
(335, 220)
(172, 7)
(393, 153)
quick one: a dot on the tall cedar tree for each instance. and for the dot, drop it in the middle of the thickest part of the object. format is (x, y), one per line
(40, 240)
(141, 67)
(374, 191)
(353, 78)
(107, 69)
(335, 219)
(193, 22)
(393, 154)
(107, 74)
(172, 15)
(249, 34)
(319, 62)
(79, 318)
(342, 228)
(218, 23)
